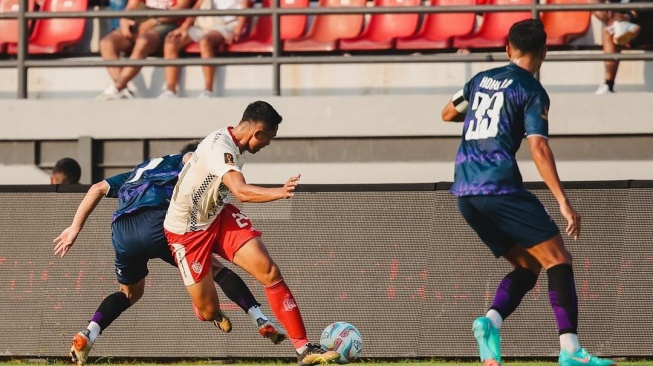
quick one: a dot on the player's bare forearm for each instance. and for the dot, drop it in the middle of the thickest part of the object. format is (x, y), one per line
(450, 114)
(88, 204)
(67, 238)
(245, 192)
(257, 194)
(455, 109)
(546, 166)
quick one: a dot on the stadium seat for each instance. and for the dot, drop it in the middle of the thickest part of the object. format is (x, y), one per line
(382, 29)
(260, 40)
(9, 27)
(327, 29)
(53, 34)
(438, 29)
(563, 26)
(493, 32)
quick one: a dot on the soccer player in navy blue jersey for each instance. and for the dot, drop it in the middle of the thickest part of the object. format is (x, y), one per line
(137, 235)
(499, 107)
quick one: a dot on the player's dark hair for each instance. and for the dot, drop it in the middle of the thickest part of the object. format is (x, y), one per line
(263, 112)
(528, 36)
(70, 170)
(189, 147)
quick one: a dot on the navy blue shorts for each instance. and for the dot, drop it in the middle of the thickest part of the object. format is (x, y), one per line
(136, 239)
(503, 221)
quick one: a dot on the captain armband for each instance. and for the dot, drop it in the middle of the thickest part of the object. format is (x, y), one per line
(459, 102)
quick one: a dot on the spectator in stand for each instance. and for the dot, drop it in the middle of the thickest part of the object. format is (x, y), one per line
(210, 32)
(142, 36)
(116, 5)
(66, 171)
(632, 29)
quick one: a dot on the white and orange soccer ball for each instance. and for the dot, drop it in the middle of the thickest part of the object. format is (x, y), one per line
(343, 338)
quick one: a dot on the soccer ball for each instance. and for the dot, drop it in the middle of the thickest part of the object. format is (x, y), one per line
(343, 338)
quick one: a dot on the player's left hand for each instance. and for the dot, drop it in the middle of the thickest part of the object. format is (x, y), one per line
(573, 220)
(289, 187)
(65, 241)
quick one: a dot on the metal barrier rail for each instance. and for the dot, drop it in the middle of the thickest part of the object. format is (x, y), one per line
(278, 57)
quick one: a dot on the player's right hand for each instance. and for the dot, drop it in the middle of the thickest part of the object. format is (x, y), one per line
(573, 220)
(65, 241)
(288, 189)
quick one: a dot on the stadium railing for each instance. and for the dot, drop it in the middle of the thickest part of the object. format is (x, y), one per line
(278, 57)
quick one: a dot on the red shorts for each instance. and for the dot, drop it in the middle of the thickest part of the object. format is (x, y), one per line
(193, 250)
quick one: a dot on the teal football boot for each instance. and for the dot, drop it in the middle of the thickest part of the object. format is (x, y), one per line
(489, 341)
(582, 358)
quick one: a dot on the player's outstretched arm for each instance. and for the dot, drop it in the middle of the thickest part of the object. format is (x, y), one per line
(545, 163)
(245, 192)
(455, 109)
(67, 238)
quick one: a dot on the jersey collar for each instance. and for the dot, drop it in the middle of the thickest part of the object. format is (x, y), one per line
(231, 133)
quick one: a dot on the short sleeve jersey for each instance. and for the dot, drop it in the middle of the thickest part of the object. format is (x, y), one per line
(148, 185)
(200, 195)
(505, 103)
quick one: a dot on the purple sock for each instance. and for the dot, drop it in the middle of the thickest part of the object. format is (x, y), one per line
(110, 309)
(512, 290)
(235, 288)
(562, 294)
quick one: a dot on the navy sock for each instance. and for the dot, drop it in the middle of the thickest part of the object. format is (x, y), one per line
(235, 288)
(562, 294)
(512, 290)
(110, 309)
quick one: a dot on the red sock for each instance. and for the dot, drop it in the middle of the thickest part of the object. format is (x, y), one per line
(287, 312)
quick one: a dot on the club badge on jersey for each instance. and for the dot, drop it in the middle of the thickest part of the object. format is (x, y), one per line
(229, 159)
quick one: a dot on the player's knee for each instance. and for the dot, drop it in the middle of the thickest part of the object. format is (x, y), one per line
(271, 275)
(133, 292)
(207, 311)
(526, 278)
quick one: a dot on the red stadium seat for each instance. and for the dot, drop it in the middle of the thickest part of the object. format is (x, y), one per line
(494, 30)
(9, 27)
(327, 29)
(438, 29)
(382, 29)
(260, 40)
(563, 26)
(52, 35)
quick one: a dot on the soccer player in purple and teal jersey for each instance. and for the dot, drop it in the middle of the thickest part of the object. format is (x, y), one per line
(499, 107)
(137, 236)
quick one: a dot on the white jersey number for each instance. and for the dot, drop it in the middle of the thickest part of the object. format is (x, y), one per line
(151, 165)
(486, 116)
(241, 219)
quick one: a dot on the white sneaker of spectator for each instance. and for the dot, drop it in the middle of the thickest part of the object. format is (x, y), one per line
(205, 94)
(603, 89)
(168, 94)
(623, 32)
(112, 93)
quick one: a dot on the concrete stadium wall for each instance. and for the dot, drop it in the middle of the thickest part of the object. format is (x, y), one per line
(322, 80)
(397, 271)
(329, 139)
(304, 117)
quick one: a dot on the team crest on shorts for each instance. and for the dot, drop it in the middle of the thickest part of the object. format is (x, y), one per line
(196, 267)
(229, 159)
